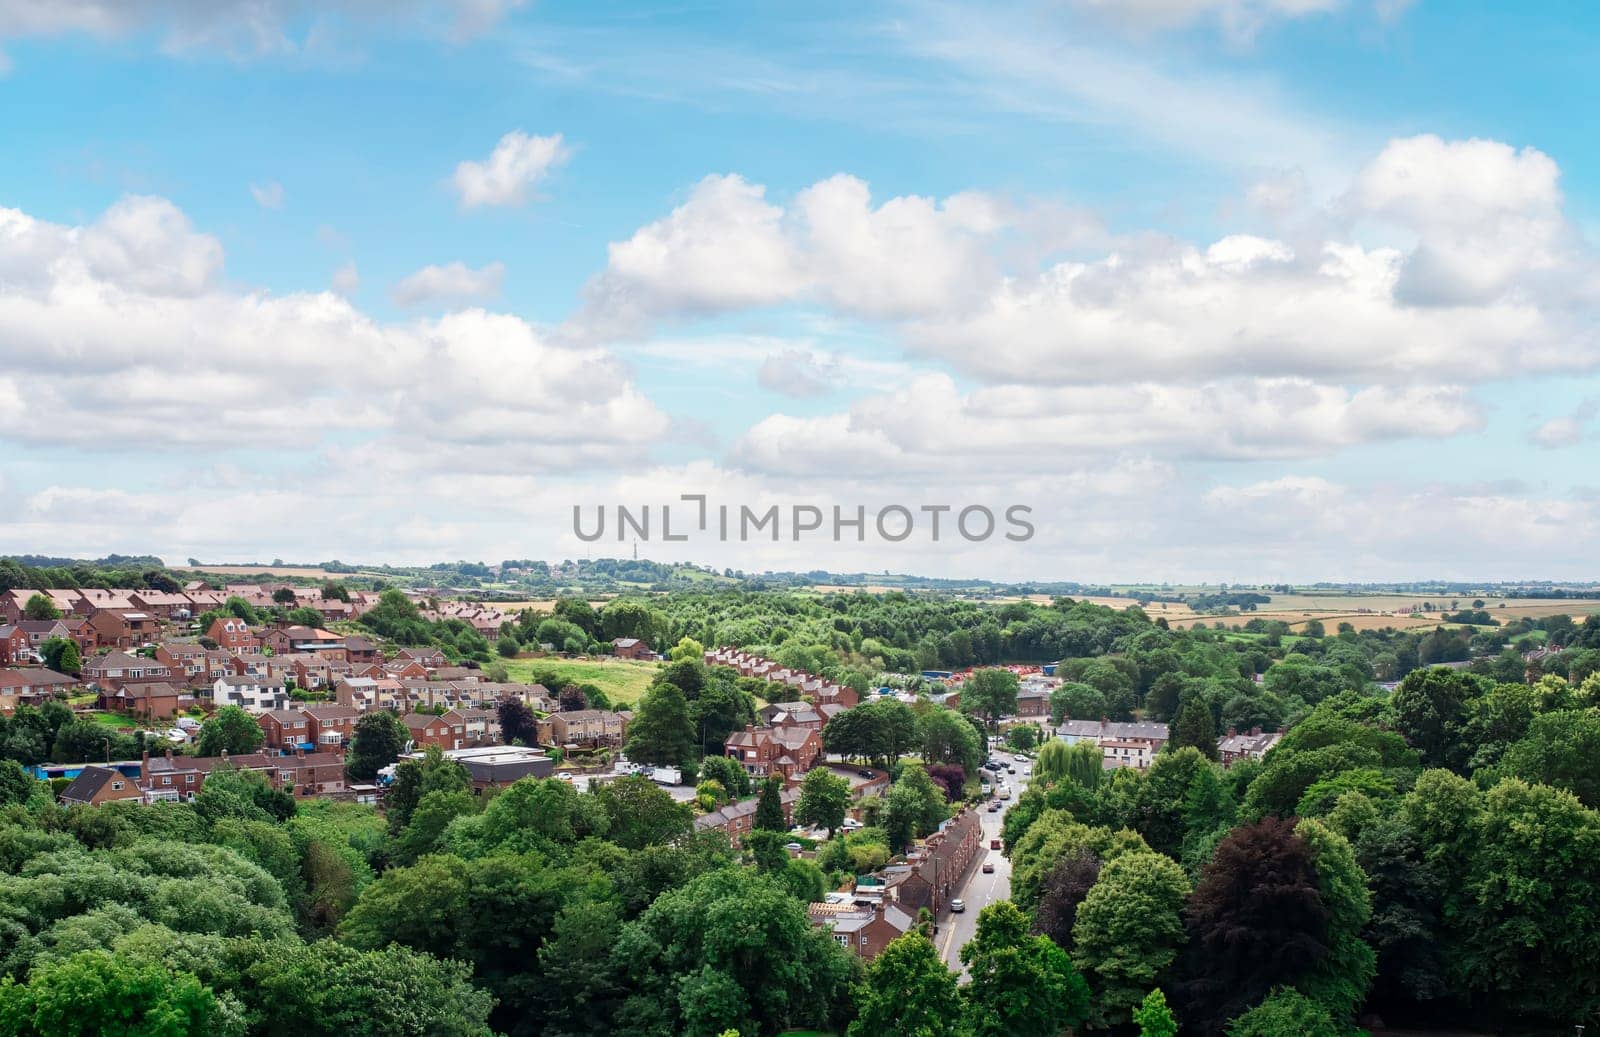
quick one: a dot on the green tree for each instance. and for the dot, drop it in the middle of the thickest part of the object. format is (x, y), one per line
(1154, 1018)
(769, 807)
(38, 607)
(61, 655)
(730, 949)
(661, 731)
(1194, 728)
(1022, 985)
(1431, 709)
(379, 739)
(1076, 701)
(639, 813)
(231, 730)
(824, 798)
(914, 807)
(908, 992)
(1129, 930)
(990, 694)
(95, 994)
(1286, 1013)
(1561, 749)
(727, 773)
(948, 738)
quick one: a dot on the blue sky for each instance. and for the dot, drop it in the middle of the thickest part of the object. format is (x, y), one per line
(1224, 289)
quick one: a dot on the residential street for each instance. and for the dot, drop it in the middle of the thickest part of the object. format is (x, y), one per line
(981, 890)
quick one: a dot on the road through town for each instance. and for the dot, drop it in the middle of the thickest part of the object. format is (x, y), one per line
(980, 890)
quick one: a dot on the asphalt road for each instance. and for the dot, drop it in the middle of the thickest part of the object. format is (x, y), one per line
(981, 890)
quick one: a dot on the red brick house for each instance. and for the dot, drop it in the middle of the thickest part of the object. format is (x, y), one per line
(233, 633)
(14, 647)
(116, 667)
(865, 928)
(428, 729)
(330, 725)
(631, 648)
(96, 785)
(285, 728)
(786, 751)
(123, 628)
(737, 819)
(152, 700)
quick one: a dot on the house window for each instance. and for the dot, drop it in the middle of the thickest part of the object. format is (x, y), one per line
(116, 786)
(863, 939)
(166, 781)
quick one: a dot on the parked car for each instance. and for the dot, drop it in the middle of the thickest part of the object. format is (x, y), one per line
(994, 806)
(851, 825)
(867, 773)
(988, 867)
(957, 906)
(565, 775)
(1026, 769)
(994, 844)
(1020, 758)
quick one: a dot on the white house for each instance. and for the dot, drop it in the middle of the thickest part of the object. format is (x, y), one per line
(252, 694)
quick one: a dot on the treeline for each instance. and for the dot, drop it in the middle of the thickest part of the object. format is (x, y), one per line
(1427, 857)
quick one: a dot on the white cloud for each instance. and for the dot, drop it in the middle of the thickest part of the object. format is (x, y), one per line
(515, 167)
(268, 195)
(930, 426)
(123, 338)
(799, 373)
(148, 244)
(1441, 262)
(245, 28)
(1567, 430)
(453, 282)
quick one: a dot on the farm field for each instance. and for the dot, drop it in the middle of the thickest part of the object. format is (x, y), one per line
(269, 570)
(623, 680)
(1331, 610)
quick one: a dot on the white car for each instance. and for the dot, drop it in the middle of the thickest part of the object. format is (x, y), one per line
(957, 906)
(1026, 769)
(1020, 758)
(851, 825)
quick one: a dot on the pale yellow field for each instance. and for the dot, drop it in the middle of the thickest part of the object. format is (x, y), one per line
(265, 570)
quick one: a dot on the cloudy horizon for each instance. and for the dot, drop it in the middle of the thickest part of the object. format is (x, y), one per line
(1222, 290)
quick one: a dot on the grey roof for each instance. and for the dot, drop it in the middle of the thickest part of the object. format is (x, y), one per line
(1114, 729)
(89, 781)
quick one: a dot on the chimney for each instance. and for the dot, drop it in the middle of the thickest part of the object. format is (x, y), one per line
(1256, 730)
(1232, 732)
(169, 754)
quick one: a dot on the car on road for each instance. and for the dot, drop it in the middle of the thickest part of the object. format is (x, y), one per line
(994, 806)
(988, 867)
(994, 844)
(1005, 792)
(1011, 768)
(565, 776)
(957, 906)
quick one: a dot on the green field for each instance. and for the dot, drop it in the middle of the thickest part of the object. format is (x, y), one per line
(623, 680)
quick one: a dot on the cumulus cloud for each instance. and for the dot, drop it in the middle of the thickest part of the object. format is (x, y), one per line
(245, 28)
(1442, 261)
(453, 282)
(511, 172)
(117, 328)
(1567, 430)
(931, 426)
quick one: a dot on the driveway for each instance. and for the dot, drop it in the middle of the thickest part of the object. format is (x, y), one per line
(980, 890)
